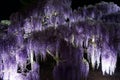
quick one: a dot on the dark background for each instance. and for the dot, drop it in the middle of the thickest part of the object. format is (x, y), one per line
(9, 6)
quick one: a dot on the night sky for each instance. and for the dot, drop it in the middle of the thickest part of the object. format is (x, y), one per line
(9, 6)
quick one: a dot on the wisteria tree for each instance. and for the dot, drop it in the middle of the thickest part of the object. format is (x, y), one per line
(75, 39)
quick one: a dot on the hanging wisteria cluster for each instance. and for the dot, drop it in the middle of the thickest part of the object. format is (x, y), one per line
(88, 36)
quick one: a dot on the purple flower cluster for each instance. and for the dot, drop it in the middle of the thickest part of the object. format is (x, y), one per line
(75, 39)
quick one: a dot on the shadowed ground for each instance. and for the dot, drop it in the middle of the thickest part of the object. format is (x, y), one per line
(97, 75)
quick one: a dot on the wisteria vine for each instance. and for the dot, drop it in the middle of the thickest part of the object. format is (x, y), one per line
(76, 39)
